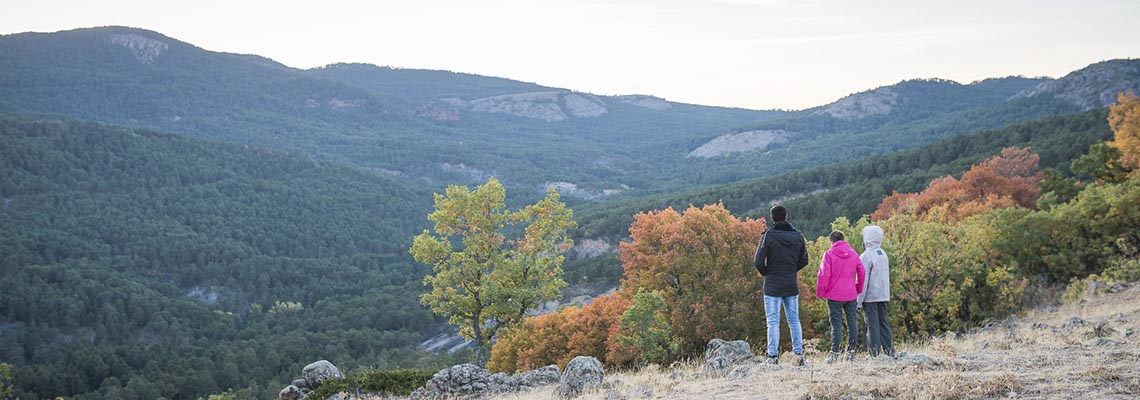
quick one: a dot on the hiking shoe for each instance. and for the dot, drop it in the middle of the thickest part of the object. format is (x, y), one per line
(800, 360)
(851, 356)
(832, 357)
(774, 360)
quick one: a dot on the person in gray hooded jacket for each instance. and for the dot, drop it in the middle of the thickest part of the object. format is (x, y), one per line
(876, 293)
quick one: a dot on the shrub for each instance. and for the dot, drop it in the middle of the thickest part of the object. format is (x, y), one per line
(400, 382)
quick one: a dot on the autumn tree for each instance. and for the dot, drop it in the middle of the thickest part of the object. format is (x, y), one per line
(557, 337)
(1007, 180)
(1124, 119)
(488, 271)
(699, 260)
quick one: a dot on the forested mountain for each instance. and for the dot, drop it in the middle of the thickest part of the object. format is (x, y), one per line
(386, 119)
(440, 127)
(818, 195)
(423, 85)
(917, 112)
(140, 265)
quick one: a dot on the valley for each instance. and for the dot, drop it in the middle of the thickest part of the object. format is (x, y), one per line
(178, 222)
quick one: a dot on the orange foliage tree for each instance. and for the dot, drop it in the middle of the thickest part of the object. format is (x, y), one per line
(557, 337)
(701, 262)
(1124, 118)
(1007, 180)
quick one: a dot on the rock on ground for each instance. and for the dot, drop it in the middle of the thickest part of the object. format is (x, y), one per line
(582, 373)
(721, 355)
(317, 373)
(466, 380)
(291, 393)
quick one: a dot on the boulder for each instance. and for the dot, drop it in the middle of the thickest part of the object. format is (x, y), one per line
(582, 374)
(317, 373)
(469, 380)
(734, 351)
(739, 372)
(547, 375)
(291, 392)
(461, 379)
(717, 365)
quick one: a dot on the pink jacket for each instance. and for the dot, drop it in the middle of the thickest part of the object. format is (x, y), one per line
(841, 275)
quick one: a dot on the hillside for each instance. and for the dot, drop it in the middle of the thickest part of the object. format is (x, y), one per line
(1086, 349)
(439, 127)
(854, 188)
(433, 127)
(143, 265)
(916, 112)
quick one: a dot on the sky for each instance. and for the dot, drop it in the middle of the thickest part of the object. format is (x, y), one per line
(758, 54)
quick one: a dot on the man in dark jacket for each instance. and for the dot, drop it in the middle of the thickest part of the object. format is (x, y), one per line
(782, 253)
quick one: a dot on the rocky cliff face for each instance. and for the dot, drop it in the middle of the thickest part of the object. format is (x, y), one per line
(1095, 86)
(548, 106)
(739, 143)
(862, 105)
(554, 105)
(145, 49)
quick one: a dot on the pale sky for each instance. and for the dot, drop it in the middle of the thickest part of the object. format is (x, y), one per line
(759, 54)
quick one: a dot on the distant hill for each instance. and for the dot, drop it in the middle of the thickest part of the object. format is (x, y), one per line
(854, 188)
(1095, 86)
(432, 128)
(422, 85)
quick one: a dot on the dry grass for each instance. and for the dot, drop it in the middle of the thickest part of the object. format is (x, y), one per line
(1041, 355)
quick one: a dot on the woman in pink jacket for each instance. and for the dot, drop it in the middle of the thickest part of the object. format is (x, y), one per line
(840, 281)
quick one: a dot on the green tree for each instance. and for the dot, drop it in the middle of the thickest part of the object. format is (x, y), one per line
(644, 327)
(499, 272)
(6, 382)
(1102, 163)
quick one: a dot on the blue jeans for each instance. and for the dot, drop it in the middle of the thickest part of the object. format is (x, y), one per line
(791, 306)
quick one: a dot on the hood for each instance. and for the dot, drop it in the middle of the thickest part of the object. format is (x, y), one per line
(841, 249)
(784, 233)
(872, 237)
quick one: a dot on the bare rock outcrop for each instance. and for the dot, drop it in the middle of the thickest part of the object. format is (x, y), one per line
(721, 356)
(738, 143)
(472, 381)
(312, 376)
(582, 374)
(861, 105)
(145, 49)
(1095, 86)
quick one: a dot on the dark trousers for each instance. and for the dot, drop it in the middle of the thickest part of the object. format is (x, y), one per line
(837, 312)
(878, 329)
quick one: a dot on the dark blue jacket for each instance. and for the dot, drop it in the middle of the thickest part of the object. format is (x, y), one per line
(781, 254)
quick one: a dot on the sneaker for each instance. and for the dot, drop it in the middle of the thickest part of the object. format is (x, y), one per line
(832, 357)
(800, 360)
(774, 360)
(851, 356)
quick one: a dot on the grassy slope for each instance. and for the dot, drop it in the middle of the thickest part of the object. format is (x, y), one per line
(1040, 354)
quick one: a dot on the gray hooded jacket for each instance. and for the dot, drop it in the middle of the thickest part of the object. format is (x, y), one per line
(878, 284)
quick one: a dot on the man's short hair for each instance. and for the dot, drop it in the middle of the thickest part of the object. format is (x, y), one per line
(779, 214)
(835, 236)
